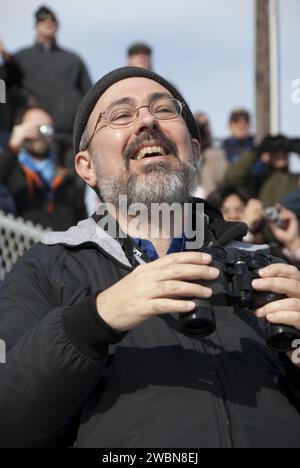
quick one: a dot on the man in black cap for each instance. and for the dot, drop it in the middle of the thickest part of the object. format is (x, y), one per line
(48, 75)
(95, 352)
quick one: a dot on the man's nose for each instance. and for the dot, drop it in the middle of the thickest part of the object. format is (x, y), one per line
(146, 121)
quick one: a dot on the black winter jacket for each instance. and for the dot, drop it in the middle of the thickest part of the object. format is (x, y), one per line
(55, 77)
(70, 379)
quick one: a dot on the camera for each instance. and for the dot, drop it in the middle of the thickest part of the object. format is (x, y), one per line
(272, 214)
(279, 142)
(234, 288)
(46, 131)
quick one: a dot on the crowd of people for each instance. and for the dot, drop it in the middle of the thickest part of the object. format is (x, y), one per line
(45, 84)
(254, 183)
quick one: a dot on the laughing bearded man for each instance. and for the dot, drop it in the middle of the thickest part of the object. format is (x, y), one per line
(95, 352)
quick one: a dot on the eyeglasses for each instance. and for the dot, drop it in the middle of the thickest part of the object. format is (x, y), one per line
(125, 115)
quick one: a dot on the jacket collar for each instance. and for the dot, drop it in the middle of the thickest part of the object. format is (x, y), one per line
(89, 231)
(46, 48)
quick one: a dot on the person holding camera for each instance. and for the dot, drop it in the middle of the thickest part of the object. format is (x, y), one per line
(44, 193)
(286, 231)
(276, 226)
(264, 172)
(96, 354)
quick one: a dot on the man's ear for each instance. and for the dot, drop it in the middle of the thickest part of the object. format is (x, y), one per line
(196, 149)
(85, 168)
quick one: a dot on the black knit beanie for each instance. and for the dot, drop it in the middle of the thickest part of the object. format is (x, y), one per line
(43, 13)
(91, 98)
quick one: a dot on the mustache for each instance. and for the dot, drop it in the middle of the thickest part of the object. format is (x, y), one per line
(159, 138)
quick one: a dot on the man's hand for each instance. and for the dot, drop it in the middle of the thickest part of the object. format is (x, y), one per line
(3, 51)
(281, 279)
(156, 288)
(265, 157)
(23, 132)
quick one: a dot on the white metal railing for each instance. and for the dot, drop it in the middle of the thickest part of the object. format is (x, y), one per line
(16, 236)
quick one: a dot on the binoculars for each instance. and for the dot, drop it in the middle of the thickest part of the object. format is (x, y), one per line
(234, 288)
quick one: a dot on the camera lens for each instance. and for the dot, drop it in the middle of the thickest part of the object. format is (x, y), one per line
(46, 131)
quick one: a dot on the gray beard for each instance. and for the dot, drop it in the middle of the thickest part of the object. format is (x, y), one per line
(158, 183)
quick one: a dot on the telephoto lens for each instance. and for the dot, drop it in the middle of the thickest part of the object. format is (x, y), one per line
(201, 321)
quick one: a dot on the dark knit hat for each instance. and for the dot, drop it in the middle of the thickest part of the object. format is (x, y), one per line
(91, 98)
(43, 13)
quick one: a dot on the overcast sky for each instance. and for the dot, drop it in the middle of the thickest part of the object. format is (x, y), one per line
(206, 47)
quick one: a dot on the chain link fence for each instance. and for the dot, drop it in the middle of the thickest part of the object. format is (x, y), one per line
(16, 236)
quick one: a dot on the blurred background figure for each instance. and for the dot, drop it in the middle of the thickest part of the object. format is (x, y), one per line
(214, 162)
(7, 202)
(6, 110)
(240, 139)
(49, 76)
(278, 227)
(4, 136)
(236, 204)
(44, 192)
(292, 202)
(274, 180)
(139, 54)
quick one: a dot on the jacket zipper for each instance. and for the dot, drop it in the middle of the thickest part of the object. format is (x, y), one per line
(226, 407)
(229, 428)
